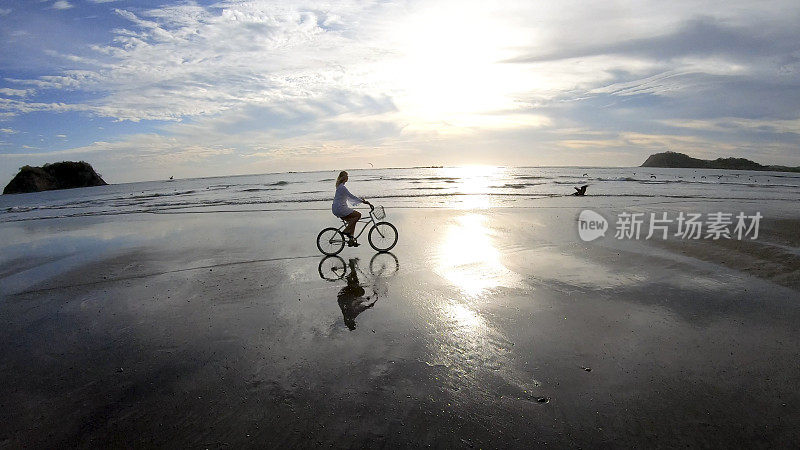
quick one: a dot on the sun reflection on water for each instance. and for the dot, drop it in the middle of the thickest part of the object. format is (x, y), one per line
(468, 259)
(473, 183)
(463, 317)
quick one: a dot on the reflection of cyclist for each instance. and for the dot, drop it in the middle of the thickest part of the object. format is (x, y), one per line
(351, 297)
(344, 212)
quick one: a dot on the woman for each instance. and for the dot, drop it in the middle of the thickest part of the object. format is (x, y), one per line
(344, 212)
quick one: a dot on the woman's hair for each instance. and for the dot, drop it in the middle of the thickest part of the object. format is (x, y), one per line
(340, 179)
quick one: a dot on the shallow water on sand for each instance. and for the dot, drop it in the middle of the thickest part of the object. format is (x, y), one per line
(483, 327)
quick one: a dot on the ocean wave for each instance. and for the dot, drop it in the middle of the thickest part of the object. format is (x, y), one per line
(570, 182)
(532, 177)
(19, 209)
(763, 185)
(617, 179)
(158, 194)
(422, 179)
(516, 185)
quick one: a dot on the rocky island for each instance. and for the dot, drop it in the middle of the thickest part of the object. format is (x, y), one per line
(60, 175)
(679, 160)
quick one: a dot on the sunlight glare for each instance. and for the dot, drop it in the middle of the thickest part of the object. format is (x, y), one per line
(468, 259)
(463, 316)
(473, 183)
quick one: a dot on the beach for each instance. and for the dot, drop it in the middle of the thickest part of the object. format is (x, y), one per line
(484, 327)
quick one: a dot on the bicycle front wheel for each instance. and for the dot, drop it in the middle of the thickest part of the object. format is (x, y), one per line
(330, 241)
(383, 236)
(332, 268)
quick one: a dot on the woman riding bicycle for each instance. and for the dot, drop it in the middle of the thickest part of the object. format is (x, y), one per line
(344, 212)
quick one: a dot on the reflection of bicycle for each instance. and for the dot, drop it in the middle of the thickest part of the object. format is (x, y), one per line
(382, 265)
(382, 236)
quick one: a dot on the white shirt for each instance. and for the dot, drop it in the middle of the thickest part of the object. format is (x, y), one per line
(340, 208)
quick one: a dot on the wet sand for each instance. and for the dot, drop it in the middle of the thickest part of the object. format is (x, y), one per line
(483, 328)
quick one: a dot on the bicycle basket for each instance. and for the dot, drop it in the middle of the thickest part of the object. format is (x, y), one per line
(379, 213)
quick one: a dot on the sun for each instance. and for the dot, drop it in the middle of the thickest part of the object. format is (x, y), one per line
(449, 74)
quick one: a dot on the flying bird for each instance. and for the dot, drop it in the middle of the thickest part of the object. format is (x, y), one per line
(581, 190)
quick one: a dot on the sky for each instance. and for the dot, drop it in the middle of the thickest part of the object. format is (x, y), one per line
(145, 90)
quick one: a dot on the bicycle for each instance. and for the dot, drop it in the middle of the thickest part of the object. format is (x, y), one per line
(382, 236)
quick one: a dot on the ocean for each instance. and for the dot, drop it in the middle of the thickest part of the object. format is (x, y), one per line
(449, 187)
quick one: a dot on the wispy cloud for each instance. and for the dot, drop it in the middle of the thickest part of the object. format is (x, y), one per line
(16, 92)
(699, 36)
(62, 4)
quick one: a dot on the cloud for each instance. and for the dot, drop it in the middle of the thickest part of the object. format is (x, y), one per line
(8, 131)
(700, 36)
(16, 92)
(62, 4)
(71, 80)
(730, 124)
(15, 107)
(5, 11)
(185, 61)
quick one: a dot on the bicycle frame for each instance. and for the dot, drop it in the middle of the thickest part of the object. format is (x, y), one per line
(364, 220)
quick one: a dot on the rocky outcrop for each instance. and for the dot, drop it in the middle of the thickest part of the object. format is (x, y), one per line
(61, 175)
(679, 160)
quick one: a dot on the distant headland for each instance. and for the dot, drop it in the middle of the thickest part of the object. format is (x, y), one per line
(60, 175)
(679, 160)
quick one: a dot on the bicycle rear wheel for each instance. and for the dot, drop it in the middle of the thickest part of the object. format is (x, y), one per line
(330, 241)
(382, 236)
